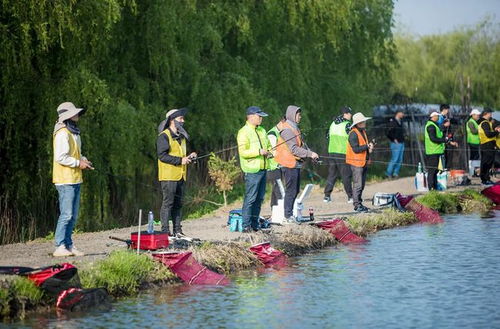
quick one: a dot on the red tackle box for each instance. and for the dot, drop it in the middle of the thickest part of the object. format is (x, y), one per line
(150, 241)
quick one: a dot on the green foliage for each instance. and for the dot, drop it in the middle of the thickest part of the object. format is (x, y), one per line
(26, 290)
(445, 203)
(129, 61)
(433, 69)
(122, 273)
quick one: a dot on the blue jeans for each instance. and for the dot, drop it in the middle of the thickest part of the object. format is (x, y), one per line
(69, 204)
(255, 191)
(397, 150)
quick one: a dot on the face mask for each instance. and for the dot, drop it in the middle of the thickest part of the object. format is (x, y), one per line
(178, 124)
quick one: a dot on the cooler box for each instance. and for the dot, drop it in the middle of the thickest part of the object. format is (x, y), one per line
(150, 241)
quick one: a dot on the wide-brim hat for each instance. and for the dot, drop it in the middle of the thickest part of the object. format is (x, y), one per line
(67, 110)
(358, 118)
(175, 113)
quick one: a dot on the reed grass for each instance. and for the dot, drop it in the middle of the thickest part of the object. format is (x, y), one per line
(365, 224)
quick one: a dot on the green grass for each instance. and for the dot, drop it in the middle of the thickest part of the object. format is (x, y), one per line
(467, 201)
(26, 290)
(123, 272)
(373, 222)
(445, 203)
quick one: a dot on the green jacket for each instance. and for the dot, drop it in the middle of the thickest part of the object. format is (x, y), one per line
(471, 137)
(251, 140)
(338, 137)
(432, 148)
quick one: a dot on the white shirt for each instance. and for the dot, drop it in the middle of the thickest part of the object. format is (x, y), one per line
(61, 149)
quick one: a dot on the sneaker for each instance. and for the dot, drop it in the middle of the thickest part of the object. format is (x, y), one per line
(350, 200)
(180, 235)
(361, 208)
(61, 251)
(289, 220)
(327, 199)
(76, 252)
(488, 183)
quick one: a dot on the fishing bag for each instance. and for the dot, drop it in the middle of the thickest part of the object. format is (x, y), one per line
(56, 278)
(383, 199)
(235, 220)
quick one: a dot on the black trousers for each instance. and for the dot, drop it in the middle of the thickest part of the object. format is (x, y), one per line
(292, 187)
(171, 205)
(432, 163)
(338, 169)
(488, 152)
(272, 177)
(358, 184)
(474, 151)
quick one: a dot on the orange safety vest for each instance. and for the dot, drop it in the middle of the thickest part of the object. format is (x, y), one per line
(356, 159)
(283, 154)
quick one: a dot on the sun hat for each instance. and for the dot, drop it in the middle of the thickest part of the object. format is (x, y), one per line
(357, 118)
(67, 110)
(475, 112)
(175, 113)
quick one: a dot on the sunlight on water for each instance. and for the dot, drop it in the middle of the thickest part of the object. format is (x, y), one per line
(443, 276)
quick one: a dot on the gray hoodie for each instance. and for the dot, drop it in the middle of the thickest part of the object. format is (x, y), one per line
(289, 136)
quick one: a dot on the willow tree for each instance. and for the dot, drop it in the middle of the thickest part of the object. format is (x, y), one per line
(128, 62)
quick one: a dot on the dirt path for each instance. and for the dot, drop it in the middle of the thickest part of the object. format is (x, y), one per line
(210, 227)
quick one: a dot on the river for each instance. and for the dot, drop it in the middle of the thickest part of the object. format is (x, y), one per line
(440, 276)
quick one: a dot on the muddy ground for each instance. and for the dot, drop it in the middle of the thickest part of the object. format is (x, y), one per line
(97, 245)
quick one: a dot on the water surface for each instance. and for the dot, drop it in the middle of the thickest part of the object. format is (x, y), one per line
(441, 276)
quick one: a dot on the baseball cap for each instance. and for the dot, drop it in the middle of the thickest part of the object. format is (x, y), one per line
(256, 110)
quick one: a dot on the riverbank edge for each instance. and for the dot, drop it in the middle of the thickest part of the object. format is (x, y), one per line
(125, 273)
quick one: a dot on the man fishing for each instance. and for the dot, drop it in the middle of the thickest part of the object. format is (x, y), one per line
(435, 142)
(253, 150)
(488, 145)
(357, 155)
(67, 166)
(290, 154)
(337, 146)
(172, 168)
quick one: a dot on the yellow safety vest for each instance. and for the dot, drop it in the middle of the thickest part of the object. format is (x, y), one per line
(482, 136)
(168, 172)
(64, 174)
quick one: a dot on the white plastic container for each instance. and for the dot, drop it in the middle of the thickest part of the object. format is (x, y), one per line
(421, 182)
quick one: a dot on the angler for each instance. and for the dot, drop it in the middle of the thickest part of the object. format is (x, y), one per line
(337, 148)
(290, 154)
(253, 150)
(172, 168)
(357, 155)
(67, 167)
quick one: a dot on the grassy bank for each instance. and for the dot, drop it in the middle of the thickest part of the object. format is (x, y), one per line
(467, 201)
(125, 273)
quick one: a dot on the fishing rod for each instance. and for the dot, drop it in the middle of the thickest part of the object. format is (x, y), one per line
(301, 133)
